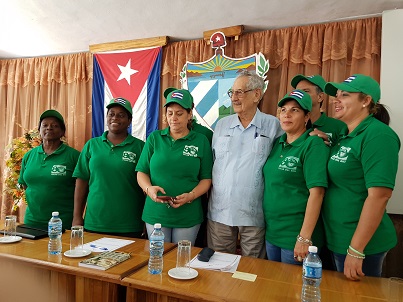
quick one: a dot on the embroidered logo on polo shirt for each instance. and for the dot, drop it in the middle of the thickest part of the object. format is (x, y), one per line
(190, 151)
(129, 156)
(58, 170)
(289, 164)
(341, 155)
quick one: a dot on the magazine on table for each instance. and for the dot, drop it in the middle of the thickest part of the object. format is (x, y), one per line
(105, 260)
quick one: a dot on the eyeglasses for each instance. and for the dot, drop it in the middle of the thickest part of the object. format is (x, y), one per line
(238, 93)
(117, 115)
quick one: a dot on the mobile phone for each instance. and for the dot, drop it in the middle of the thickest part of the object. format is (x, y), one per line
(205, 254)
(166, 198)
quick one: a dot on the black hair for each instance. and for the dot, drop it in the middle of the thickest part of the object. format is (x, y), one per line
(379, 111)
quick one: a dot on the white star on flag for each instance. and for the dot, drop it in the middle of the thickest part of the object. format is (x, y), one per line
(126, 72)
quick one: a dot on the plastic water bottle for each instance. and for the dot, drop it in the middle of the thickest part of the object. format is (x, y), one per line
(55, 234)
(156, 262)
(311, 276)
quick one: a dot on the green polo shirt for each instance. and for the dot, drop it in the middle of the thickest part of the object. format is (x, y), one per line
(290, 171)
(177, 166)
(115, 201)
(50, 185)
(365, 158)
(332, 127)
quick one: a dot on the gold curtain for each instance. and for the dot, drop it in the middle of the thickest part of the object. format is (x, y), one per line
(30, 86)
(334, 50)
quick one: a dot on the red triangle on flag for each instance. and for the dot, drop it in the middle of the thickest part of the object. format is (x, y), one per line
(125, 73)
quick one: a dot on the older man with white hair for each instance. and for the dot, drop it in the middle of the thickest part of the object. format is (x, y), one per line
(241, 145)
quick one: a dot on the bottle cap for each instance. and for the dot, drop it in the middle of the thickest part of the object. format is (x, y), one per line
(313, 249)
(55, 213)
(157, 226)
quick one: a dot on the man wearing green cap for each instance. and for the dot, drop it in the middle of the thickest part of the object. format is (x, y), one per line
(314, 85)
(106, 178)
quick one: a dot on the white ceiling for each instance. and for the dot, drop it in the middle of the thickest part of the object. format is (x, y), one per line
(30, 28)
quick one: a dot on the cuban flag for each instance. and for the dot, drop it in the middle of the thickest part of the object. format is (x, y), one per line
(133, 75)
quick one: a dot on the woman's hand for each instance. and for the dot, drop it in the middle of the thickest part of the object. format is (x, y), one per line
(353, 268)
(152, 192)
(300, 251)
(321, 134)
(182, 199)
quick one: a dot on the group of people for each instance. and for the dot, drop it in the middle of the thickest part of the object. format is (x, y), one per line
(276, 184)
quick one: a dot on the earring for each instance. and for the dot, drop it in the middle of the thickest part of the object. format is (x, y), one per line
(363, 106)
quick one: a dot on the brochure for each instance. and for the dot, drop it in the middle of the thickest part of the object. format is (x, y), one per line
(105, 260)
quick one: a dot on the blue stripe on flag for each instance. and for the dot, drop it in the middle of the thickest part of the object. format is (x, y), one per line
(97, 100)
(153, 96)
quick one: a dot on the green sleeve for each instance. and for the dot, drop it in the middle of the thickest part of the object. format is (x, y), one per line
(144, 162)
(82, 169)
(380, 163)
(23, 165)
(315, 163)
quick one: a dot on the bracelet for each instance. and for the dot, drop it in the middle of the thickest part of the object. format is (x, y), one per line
(191, 193)
(355, 251)
(147, 190)
(304, 240)
(355, 256)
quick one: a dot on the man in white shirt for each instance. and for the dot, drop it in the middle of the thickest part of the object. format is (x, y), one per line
(241, 144)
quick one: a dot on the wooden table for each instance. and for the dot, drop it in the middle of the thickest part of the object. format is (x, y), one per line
(275, 282)
(29, 273)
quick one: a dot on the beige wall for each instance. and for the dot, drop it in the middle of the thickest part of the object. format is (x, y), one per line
(392, 89)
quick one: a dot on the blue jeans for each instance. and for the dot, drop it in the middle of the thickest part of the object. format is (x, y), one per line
(275, 253)
(176, 234)
(371, 266)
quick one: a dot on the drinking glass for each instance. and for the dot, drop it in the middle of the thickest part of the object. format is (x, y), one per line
(76, 239)
(10, 226)
(183, 257)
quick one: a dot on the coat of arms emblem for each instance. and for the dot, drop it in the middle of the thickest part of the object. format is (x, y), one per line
(209, 81)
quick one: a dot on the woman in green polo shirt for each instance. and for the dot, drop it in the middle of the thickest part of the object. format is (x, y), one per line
(295, 181)
(106, 178)
(176, 163)
(46, 174)
(362, 169)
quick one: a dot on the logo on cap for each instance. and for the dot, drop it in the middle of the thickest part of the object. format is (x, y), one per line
(297, 93)
(177, 95)
(120, 101)
(349, 79)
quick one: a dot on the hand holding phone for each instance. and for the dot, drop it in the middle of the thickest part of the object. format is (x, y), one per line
(166, 199)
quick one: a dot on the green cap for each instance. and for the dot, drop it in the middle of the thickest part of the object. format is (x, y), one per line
(316, 79)
(179, 96)
(121, 102)
(52, 113)
(302, 98)
(356, 83)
